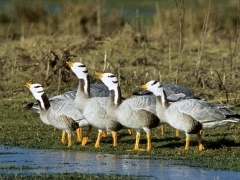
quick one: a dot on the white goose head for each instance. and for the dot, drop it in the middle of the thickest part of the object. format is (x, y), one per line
(79, 69)
(109, 79)
(154, 86)
(39, 94)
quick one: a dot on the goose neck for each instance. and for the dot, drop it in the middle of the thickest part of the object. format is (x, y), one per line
(84, 88)
(44, 103)
(162, 98)
(115, 96)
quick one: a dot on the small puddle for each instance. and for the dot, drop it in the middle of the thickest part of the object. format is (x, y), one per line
(67, 161)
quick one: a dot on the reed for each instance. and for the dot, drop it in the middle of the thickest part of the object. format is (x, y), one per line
(202, 39)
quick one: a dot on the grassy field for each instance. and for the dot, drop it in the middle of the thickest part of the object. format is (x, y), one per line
(193, 46)
(70, 176)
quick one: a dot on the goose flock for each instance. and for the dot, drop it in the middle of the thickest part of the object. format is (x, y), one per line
(102, 106)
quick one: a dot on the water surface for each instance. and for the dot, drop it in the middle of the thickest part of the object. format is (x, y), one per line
(68, 161)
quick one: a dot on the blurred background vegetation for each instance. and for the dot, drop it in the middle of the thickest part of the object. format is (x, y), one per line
(194, 43)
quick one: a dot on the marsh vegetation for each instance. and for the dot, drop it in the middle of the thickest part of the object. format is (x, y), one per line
(191, 43)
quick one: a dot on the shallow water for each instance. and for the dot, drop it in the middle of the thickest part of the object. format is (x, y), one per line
(60, 161)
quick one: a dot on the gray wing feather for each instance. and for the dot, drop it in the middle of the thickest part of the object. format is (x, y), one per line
(67, 108)
(224, 109)
(99, 90)
(176, 97)
(97, 114)
(142, 102)
(138, 112)
(200, 110)
(175, 89)
(96, 90)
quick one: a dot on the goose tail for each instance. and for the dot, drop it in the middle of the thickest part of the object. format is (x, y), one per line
(214, 124)
(32, 106)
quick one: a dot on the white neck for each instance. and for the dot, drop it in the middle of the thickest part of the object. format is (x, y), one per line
(83, 94)
(116, 97)
(86, 87)
(160, 92)
(41, 103)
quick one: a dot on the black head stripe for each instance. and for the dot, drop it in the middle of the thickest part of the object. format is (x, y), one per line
(115, 82)
(154, 83)
(37, 86)
(81, 65)
(111, 76)
(85, 71)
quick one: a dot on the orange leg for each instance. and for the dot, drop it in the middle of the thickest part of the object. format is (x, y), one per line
(79, 134)
(177, 133)
(85, 138)
(104, 133)
(69, 140)
(149, 145)
(200, 146)
(187, 143)
(114, 135)
(97, 144)
(63, 136)
(162, 129)
(130, 131)
(136, 147)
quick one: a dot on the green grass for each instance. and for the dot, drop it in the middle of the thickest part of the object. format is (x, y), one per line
(11, 167)
(71, 176)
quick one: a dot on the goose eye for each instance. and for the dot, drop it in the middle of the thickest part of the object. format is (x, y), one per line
(40, 91)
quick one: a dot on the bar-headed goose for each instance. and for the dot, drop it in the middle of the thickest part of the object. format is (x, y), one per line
(137, 113)
(96, 90)
(94, 109)
(190, 115)
(174, 93)
(62, 114)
